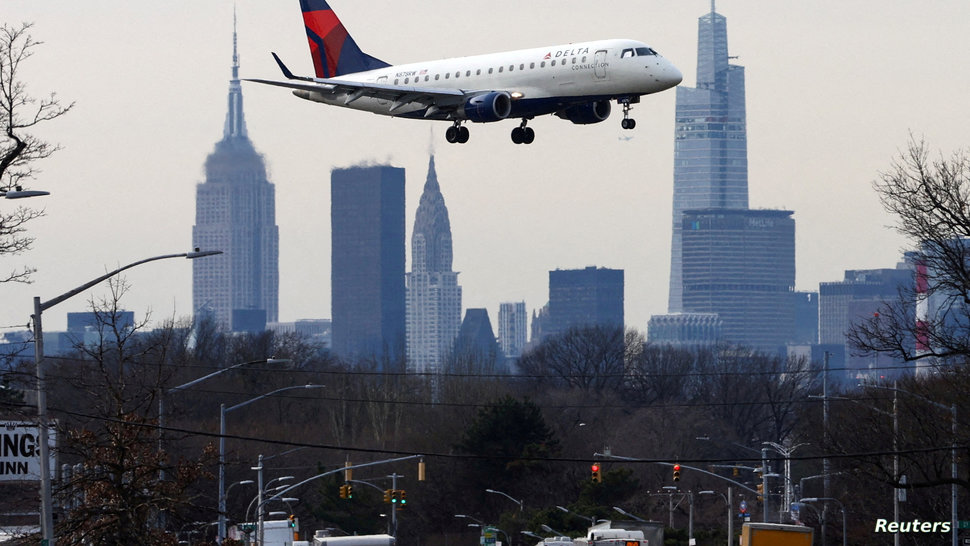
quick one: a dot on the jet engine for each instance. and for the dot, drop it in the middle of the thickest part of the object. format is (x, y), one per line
(584, 114)
(494, 106)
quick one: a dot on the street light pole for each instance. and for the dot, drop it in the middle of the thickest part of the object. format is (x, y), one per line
(954, 474)
(47, 504)
(506, 495)
(223, 410)
(845, 539)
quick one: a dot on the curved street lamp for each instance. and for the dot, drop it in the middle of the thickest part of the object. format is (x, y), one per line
(47, 505)
(223, 410)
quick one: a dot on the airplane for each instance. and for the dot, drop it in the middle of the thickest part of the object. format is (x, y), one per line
(576, 82)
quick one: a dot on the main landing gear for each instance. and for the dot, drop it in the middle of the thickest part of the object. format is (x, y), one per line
(523, 134)
(457, 133)
(627, 122)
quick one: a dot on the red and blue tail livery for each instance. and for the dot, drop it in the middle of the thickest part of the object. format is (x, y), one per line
(576, 82)
(333, 50)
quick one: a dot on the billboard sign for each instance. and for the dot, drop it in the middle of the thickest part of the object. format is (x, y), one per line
(20, 451)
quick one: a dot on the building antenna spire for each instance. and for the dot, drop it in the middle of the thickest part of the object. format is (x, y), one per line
(712, 6)
(235, 50)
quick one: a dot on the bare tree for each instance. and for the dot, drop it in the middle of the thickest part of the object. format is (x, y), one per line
(19, 149)
(930, 199)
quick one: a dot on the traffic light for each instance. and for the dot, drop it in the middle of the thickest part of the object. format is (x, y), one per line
(293, 521)
(387, 496)
(676, 472)
(343, 491)
(761, 492)
(346, 491)
(736, 471)
(596, 473)
(402, 495)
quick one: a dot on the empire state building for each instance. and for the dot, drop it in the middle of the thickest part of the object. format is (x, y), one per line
(236, 213)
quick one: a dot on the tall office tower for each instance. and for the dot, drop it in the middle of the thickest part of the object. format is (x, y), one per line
(740, 264)
(236, 213)
(710, 146)
(512, 322)
(584, 297)
(367, 263)
(433, 294)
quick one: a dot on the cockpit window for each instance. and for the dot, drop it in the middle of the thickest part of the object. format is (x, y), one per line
(645, 51)
(626, 53)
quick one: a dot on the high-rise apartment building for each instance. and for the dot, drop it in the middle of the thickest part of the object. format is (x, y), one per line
(740, 264)
(236, 213)
(512, 328)
(367, 263)
(433, 294)
(584, 297)
(710, 147)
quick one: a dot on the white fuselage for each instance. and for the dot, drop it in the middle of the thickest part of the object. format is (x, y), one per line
(540, 80)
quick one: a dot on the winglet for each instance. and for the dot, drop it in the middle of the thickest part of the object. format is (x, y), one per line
(286, 71)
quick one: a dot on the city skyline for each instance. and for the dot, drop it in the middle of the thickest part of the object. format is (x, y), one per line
(121, 196)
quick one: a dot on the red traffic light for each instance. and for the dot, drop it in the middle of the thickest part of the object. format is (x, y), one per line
(676, 468)
(595, 468)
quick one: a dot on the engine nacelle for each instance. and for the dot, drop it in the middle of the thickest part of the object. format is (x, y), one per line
(584, 114)
(494, 106)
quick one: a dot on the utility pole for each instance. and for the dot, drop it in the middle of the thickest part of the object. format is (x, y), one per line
(825, 441)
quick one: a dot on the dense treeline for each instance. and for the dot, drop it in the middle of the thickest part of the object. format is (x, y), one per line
(531, 436)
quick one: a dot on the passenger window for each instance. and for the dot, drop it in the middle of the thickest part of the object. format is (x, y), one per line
(395, 81)
(489, 70)
(501, 68)
(447, 75)
(532, 65)
(468, 73)
(511, 67)
(584, 58)
(406, 80)
(478, 72)
(542, 64)
(436, 76)
(574, 60)
(426, 78)
(522, 66)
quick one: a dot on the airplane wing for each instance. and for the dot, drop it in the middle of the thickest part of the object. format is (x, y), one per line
(437, 101)
(400, 95)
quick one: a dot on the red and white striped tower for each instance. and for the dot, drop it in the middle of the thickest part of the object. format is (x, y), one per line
(922, 317)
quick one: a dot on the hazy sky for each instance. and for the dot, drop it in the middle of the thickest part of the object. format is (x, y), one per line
(834, 89)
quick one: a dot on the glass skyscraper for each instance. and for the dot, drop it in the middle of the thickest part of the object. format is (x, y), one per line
(740, 264)
(236, 213)
(367, 263)
(710, 149)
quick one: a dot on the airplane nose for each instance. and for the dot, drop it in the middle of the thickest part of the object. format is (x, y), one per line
(672, 75)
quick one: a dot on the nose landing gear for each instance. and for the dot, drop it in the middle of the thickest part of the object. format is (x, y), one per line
(627, 122)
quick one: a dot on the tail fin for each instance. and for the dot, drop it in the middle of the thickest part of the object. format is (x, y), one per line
(333, 50)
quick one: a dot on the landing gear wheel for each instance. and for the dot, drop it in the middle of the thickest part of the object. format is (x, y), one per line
(627, 122)
(523, 134)
(463, 135)
(451, 135)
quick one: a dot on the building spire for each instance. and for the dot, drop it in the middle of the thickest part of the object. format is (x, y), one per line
(235, 122)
